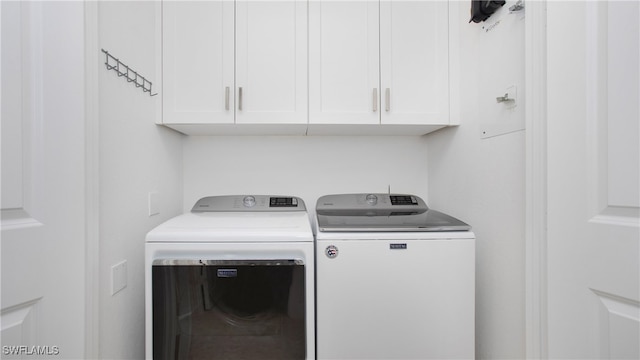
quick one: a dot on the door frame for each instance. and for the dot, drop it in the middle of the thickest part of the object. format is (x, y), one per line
(536, 185)
(92, 181)
(536, 181)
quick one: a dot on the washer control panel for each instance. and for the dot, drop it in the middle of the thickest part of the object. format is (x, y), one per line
(403, 200)
(366, 212)
(370, 204)
(235, 203)
(283, 202)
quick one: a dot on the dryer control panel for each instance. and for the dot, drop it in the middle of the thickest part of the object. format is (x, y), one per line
(249, 203)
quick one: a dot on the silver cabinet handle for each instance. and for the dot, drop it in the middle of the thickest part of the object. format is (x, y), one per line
(240, 98)
(226, 98)
(387, 99)
(375, 99)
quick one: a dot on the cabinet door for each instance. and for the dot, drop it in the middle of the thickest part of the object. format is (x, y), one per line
(198, 62)
(271, 62)
(344, 62)
(414, 62)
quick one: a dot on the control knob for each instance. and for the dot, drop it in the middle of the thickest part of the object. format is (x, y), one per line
(371, 199)
(249, 201)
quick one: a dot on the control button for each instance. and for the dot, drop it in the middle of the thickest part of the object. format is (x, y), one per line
(372, 199)
(249, 201)
(403, 200)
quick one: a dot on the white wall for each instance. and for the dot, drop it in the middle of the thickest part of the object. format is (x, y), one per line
(136, 157)
(478, 180)
(482, 180)
(308, 167)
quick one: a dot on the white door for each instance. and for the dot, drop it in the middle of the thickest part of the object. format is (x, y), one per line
(271, 62)
(344, 71)
(43, 217)
(414, 62)
(593, 180)
(198, 62)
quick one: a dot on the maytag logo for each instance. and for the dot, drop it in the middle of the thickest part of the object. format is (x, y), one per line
(398, 246)
(227, 273)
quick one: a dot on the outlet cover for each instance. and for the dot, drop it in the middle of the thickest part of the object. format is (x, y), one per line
(118, 277)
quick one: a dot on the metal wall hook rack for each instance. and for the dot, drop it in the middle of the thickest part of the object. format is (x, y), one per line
(113, 63)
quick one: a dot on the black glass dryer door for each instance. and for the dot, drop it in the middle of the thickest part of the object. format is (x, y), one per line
(228, 309)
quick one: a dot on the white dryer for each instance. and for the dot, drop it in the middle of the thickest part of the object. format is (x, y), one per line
(232, 279)
(394, 280)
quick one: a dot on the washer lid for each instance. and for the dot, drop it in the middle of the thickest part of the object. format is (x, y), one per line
(381, 212)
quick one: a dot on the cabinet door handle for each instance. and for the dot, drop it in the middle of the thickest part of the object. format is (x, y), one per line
(226, 98)
(240, 98)
(387, 99)
(375, 99)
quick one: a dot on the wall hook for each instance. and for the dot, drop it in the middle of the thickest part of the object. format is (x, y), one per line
(504, 98)
(113, 63)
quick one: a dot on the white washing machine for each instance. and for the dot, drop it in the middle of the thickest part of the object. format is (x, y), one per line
(394, 280)
(232, 279)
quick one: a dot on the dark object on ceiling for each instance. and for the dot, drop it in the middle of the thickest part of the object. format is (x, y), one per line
(481, 10)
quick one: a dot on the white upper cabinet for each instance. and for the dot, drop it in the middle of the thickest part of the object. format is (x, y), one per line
(282, 67)
(242, 62)
(414, 62)
(271, 62)
(198, 62)
(378, 62)
(344, 66)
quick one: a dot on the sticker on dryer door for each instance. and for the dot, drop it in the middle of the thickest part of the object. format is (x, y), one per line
(227, 273)
(331, 251)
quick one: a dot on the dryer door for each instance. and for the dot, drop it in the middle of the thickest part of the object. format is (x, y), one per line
(228, 309)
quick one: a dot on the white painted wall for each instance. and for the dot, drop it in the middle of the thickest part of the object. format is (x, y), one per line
(479, 181)
(482, 180)
(308, 167)
(136, 157)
